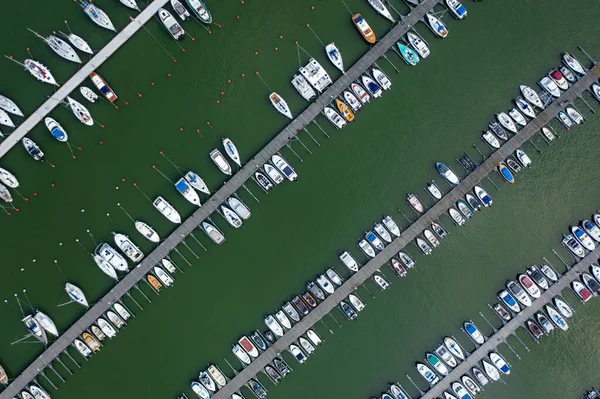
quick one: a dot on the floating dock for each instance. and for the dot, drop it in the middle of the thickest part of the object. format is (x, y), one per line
(82, 74)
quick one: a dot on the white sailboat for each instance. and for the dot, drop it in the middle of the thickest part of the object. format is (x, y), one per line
(46, 323)
(147, 231)
(79, 43)
(196, 182)
(381, 9)
(128, 247)
(9, 106)
(166, 209)
(97, 16)
(39, 71)
(5, 119)
(280, 105)
(232, 151)
(186, 190)
(76, 294)
(8, 178)
(105, 267)
(60, 47)
(80, 112)
(35, 329)
(335, 56)
(130, 4)
(88, 94)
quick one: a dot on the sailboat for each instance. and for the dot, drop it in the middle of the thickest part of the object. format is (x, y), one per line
(231, 151)
(9, 106)
(130, 4)
(180, 9)
(60, 47)
(5, 119)
(220, 161)
(32, 148)
(335, 56)
(437, 26)
(196, 182)
(97, 16)
(80, 112)
(166, 209)
(35, 329)
(39, 71)
(105, 266)
(171, 24)
(231, 217)
(199, 8)
(56, 130)
(76, 294)
(88, 94)
(409, 55)
(280, 105)
(46, 323)
(146, 231)
(186, 190)
(381, 9)
(79, 43)
(128, 247)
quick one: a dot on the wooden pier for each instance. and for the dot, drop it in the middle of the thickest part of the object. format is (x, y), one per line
(70, 85)
(509, 328)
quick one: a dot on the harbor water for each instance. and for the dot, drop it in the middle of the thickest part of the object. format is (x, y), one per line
(434, 112)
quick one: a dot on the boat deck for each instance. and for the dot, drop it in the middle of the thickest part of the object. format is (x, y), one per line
(82, 74)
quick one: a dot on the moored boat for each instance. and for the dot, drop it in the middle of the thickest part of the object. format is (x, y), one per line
(201, 11)
(167, 210)
(9, 106)
(352, 101)
(8, 178)
(436, 25)
(418, 44)
(381, 78)
(381, 282)
(196, 182)
(464, 209)
(273, 173)
(534, 329)
(550, 86)
(549, 273)
(549, 135)
(360, 92)
(519, 293)
(423, 246)
(220, 161)
(481, 378)
(565, 120)
(349, 261)
(103, 87)
(97, 15)
(563, 307)
(348, 311)
(427, 374)
(523, 158)
(473, 203)
(457, 9)
(544, 322)
(241, 354)
(431, 238)
(380, 7)
(186, 190)
(454, 348)
(112, 257)
(105, 266)
(217, 375)
(499, 362)
(163, 276)
(498, 130)
(82, 348)
(447, 173)
(200, 390)
(367, 248)
(415, 203)
(538, 277)
(509, 301)
(291, 312)
(439, 230)
(80, 112)
(231, 151)
(575, 115)
(556, 318)
(88, 94)
(128, 247)
(364, 28)
(406, 260)
(373, 88)
(582, 292)
(284, 167)
(474, 332)
(239, 208)
(505, 173)
(434, 191)
(507, 122)
(39, 71)
(517, 116)
(524, 107)
(356, 302)
(248, 346)
(410, 56)
(78, 42)
(392, 226)
(46, 323)
(374, 240)
(583, 238)
(501, 312)
(591, 229)
(489, 138)
(76, 294)
(573, 63)
(280, 105)
(90, 341)
(558, 78)
(443, 353)
(171, 24)
(436, 363)
(531, 96)
(273, 325)
(528, 284)
(335, 118)
(335, 56)
(456, 217)
(325, 284)
(490, 370)
(591, 283)
(147, 231)
(573, 245)
(460, 391)
(231, 217)
(297, 353)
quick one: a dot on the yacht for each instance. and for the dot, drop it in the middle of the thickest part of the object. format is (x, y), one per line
(274, 326)
(60, 47)
(167, 209)
(509, 301)
(231, 217)
(220, 161)
(582, 292)
(280, 105)
(291, 312)
(380, 7)
(303, 87)
(556, 318)
(171, 24)
(186, 190)
(121, 311)
(316, 75)
(437, 364)
(147, 231)
(563, 308)
(460, 391)
(418, 44)
(97, 16)
(528, 284)
(200, 390)
(128, 247)
(79, 43)
(284, 167)
(39, 71)
(443, 353)
(437, 26)
(217, 375)
(80, 112)
(112, 257)
(35, 329)
(105, 266)
(454, 348)
(335, 56)
(46, 323)
(591, 229)
(409, 55)
(538, 277)
(8, 178)
(5, 119)
(491, 370)
(248, 347)
(364, 28)
(196, 182)
(76, 294)
(325, 284)
(130, 4)
(103, 87)
(334, 277)
(431, 238)
(106, 328)
(374, 240)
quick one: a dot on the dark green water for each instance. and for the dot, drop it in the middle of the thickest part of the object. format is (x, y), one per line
(433, 113)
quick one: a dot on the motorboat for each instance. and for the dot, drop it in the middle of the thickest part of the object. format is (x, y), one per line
(528, 284)
(464, 209)
(200, 390)
(9, 106)
(97, 16)
(88, 94)
(538, 277)
(115, 319)
(575, 115)
(519, 293)
(443, 353)
(316, 75)
(423, 246)
(591, 283)
(79, 43)
(498, 130)
(76, 294)
(349, 261)
(364, 28)
(98, 332)
(248, 346)
(509, 301)
(352, 101)
(334, 277)
(448, 395)
(46, 323)
(196, 182)
(217, 375)
(531, 96)
(82, 348)
(356, 302)
(274, 326)
(186, 190)
(583, 238)
(231, 151)
(559, 79)
(39, 71)
(60, 47)
(231, 217)
(502, 312)
(8, 178)
(439, 230)
(507, 122)
(534, 329)
(549, 273)
(360, 93)
(548, 134)
(105, 266)
(490, 370)
(121, 311)
(595, 269)
(437, 364)
(381, 78)
(280, 105)
(297, 353)
(348, 311)
(474, 332)
(480, 376)
(167, 209)
(514, 166)
(516, 116)
(291, 312)
(199, 8)
(489, 138)
(130, 4)
(596, 91)
(582, 292)
(473, 203)
(258, 341)
(154, 283)
(239, 208)
(112, 257)
(524, 107)
(550, 86)
(505, 173)
(436, 25)
(573, 63)
(418, 44)
(427, 374)
(128, 247)
(335, 56)
(171, 24)
(373, 88)
(306, 345)
(415, 203)
(562, 306)
(284, 167)
(325, 284)
(208, 382)
(499, 363)
(303, 87)
(556, 318)
(380, 7)
(367, 248)
(103, 87)
(281, 366)
(397, 392)
(309, 299)
(313, 337)
(168, 265)
(434, 191)
(273, 173)
(456, 217)
(460, 391)
(591, 229)
(314, 290)
(147, 231)
(523, 158)
(335, 118)
(431, 238)
(220, 161)
(447, 173)
(544, 322)
(410, 56)
(457, 9)
(374, 240)
(565, 120)
(241, 354)
(393, 228)
(454, 348)
(381, 282)
(406, 260)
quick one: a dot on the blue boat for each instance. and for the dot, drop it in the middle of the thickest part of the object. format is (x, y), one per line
(56, 130)
(505, 173)
(447, 173)
(483, 196)
(499, 363)
(456, 8)
(464, 209)
(474, 332)
(409, 55)
(509, 300)
(372, 87)
(374, 240)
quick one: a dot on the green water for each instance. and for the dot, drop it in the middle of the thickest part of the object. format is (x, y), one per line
(434, 113)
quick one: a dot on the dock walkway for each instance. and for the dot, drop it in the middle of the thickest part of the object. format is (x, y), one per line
(510, 327)
(61, 94)
(408, 235)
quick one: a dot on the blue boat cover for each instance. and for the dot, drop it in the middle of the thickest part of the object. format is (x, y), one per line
(181, 186)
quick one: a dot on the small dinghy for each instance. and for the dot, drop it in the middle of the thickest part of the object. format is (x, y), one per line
(454, 348)
(528, 284)
(167, 209)
(565, 120)
(502, 312)
(582, 292)
(382, 79)
(499, 362)
(9, 106)
(544, 322)
(280, 105)
(591, 283)
(490, 370)
(592, 230)
(431, 238)
(171, 24)
(549, 135)
(335, 118)
(380, 7)
(434, 191)
(513, 165)
(456, 217)
(474, 332)
(415, 203)
(481, 378)
(284, 167)
(398, 268)
(556, 318)
(80, 112)
(583, 238)
(538, 277)
(374, 240)
(517, 116)
(505, 173)
(381, 282)
(382, 232)
(128, 247)
(549, 273)
(348, 311)
(232, 151)
(464, 209)
(360, 92)
(418, 44)
(406, 260)
(507, 122)
(423, 246)
(563, 308)
(558, 78)
(186, 190)
(241, 354)
(534, 329)
(180, 9)
(573, 63)
(364, 28)
(531, 96)
(489, 138)
(409, 55)
(437, 364)
(196, 182)
(393, 227)
(39, 71)
(436, 25)
(575, 116)
(263, 181)
(443, 353)
(439, 230)
(509, 301)
(519, 293)
(349, 261)
(523, 158)
(352, 101)
(427, 374)
(88, 94)
(474, 204)
(457, 9)
(335, 56)
(524, 107)
(147, 231)
(220, 161)
(551, 87)
(373, 88)
(447, 173)
(231, 217)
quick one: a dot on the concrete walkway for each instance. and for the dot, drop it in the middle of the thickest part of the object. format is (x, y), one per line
(121, 38)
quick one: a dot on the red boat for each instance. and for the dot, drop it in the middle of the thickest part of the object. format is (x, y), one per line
(248, 346)
(415, 203)
(583, 293)
(398, 268)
